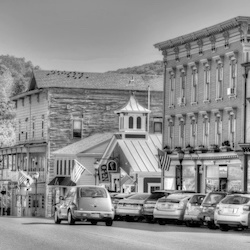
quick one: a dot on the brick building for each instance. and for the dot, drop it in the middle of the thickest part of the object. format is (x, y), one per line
(206, 108)
(58, 109)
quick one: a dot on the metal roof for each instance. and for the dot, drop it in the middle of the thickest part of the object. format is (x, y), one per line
(142, 154)
(133, 106)
(84, 144)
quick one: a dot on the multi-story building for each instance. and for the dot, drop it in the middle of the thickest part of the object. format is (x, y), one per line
(58, 109)
(206, 107)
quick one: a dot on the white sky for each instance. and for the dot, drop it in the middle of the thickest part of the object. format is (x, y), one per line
(103, 35)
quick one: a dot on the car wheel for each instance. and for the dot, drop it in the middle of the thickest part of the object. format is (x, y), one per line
(109, 223)
(93, 222)
(188, 223)
(211, 225)
(161, 222)
(56, 219)
(71, 221)
(224, 228)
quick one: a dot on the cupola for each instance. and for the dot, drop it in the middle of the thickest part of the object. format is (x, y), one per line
(133, 120)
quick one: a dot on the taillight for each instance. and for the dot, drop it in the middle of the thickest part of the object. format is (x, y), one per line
(246, 208)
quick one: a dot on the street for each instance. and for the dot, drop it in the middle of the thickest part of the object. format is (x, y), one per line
(40, 233)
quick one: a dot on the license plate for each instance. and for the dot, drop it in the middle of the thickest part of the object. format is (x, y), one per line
(207, 218)
(95, 215)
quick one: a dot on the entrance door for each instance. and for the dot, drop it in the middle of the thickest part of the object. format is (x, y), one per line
(223, 184)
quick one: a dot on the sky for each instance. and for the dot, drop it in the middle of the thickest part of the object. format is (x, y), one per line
(103, 35)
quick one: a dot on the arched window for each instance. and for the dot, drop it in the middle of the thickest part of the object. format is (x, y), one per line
(130, 122)
(138, 123)
(122, 122)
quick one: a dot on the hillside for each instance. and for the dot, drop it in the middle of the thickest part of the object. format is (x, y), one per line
(155, 68)
(15, 74)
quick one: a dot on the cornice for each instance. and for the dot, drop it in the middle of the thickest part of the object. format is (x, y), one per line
(223, 27)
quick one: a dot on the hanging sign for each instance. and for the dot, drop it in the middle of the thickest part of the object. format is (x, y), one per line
(104, 174)
(112, 166)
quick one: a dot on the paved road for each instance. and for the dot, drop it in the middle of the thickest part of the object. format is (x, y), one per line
(39, 234)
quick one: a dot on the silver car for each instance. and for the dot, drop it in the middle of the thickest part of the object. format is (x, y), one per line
(233, 212)
(85, 203)
(171, 207)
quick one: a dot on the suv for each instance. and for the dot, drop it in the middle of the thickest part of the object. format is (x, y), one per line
(149, 204)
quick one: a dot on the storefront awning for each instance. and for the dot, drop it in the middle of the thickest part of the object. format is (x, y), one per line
(62, 181)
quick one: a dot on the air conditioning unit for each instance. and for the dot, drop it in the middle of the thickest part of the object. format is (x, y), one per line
(230, 91)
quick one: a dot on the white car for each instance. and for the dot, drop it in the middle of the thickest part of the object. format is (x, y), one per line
(233, 212)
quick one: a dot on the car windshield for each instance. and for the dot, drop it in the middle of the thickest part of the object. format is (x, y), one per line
(139, 196)
(213, 198)
(231, 199)
(92, 192)
(197, 199)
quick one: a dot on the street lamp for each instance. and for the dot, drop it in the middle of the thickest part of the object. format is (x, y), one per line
(96, 167)
(180, 155)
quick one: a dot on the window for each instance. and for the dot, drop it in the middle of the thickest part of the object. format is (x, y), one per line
(131, 122)
(207, 69)
(138, 122)
(170, 131)
(205, 127)
(181, 99)
(194, 84)
(171, 87)
(26, 128)
(77, 128)
(231, 90)
(157, 127)
(19, 130)
(218, 127)
(219, 78)
(193, 129)
(43, 123)
(231, 126)
(64, 166)
(181, 132)
(33, 127)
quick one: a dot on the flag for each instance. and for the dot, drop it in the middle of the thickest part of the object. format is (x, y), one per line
(164, 160)
(24, 179)
(127, 180)
(77, 171)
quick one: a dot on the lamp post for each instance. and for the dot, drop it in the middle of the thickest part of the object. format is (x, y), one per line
(246, 66)
(180, 154)
(96, 167)
(36, 176)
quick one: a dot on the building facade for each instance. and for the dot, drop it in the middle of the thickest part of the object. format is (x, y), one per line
(206, 107)
(58, 109)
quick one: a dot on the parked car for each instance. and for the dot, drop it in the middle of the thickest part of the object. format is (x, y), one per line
(149, 204)
(85, 203)
(131, 207)
(233, 212)
(115, 199)
(193, 209)
(171, 207)
(208, 207)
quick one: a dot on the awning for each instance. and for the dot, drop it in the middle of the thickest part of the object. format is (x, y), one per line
(127, 180)
(62, 181)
